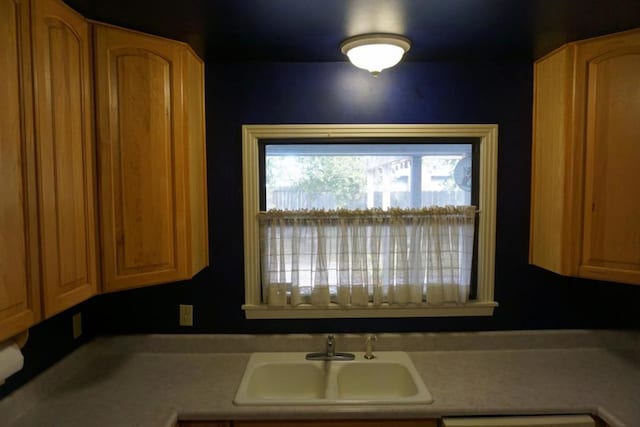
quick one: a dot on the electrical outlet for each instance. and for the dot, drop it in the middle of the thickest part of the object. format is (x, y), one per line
(76, 320)
(186, 315)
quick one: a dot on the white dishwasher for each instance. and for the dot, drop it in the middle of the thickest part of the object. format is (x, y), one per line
(530, 421)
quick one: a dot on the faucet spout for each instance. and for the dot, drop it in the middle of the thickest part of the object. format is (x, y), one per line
(331, 346)
(330, 352)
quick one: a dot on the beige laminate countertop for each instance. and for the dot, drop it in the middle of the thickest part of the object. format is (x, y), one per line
(153, 380)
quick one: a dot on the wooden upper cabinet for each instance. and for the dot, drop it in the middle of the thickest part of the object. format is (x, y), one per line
(150, 137)
(151, 146)
(19, 297)
(65, 154)
(585, 205)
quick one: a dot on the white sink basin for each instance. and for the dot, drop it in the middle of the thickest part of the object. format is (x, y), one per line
(276, 380)
(287, 379)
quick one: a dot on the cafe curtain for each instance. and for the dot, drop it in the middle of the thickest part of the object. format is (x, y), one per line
(367, 258)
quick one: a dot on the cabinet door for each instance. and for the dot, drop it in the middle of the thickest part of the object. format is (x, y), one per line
(611, 232)
(141, 157)
(65, 153)
(19, 302)
(338, 423)
(204, 424)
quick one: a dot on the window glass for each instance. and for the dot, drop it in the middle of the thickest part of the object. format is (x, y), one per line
(359, 176)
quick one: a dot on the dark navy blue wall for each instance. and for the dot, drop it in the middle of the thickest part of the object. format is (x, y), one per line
(237, 94)
(457, 92)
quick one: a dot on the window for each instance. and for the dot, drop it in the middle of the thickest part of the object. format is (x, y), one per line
(389, 166)
(375, 173)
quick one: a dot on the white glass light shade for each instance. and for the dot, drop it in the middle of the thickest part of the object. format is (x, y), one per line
(375, 52)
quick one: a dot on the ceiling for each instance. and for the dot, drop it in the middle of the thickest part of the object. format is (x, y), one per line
(311, 30)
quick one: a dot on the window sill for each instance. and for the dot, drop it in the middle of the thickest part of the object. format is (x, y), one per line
(263, 311)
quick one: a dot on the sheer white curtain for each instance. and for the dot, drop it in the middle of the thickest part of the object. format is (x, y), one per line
(363, 258)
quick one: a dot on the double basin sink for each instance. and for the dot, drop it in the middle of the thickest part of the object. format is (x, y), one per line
(290, 379)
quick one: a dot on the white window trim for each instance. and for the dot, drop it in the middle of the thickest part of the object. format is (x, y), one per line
(483, 305)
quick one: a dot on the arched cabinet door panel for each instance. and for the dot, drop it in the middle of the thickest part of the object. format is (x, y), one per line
(144, 145)
(585, 204)
(611, 232)
(65, 154)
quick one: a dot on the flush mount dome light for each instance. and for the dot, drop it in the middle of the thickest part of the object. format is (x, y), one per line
(375, 52)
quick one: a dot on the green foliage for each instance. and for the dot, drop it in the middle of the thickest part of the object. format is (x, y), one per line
(342, 176)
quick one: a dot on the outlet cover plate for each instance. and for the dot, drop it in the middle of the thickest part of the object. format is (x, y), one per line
(77, 325)
(186, 315)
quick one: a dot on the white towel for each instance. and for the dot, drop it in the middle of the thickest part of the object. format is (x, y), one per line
(11, 360)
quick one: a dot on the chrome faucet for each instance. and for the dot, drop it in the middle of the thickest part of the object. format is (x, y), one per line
(331, 346)
(330, 352)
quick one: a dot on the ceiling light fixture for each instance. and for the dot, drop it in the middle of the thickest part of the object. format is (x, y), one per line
(375, 52)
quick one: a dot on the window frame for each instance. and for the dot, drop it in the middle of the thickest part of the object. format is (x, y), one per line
(484, 303)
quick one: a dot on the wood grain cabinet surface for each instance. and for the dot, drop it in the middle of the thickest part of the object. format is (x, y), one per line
(150, 139)
(313, 423)
(19, 293)
(204, 424)
(338, 423)
(585, 201)
(47, 245)
(150, 145)
(65, 154)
